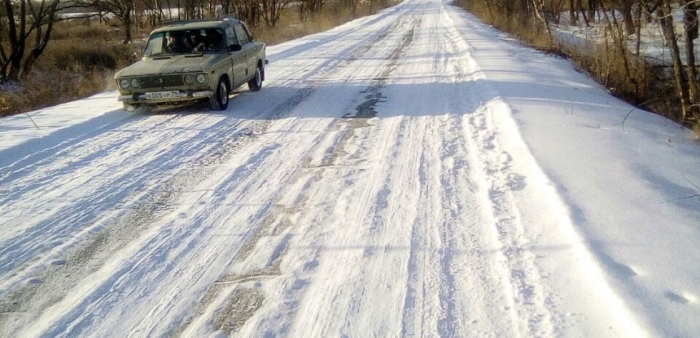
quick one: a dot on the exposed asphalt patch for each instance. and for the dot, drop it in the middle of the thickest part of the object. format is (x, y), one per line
(367, 108)
(238, 310)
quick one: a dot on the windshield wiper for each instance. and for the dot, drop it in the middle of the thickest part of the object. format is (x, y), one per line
(162, 56)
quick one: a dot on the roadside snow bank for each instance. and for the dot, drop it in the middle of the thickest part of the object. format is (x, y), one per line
(632, 187)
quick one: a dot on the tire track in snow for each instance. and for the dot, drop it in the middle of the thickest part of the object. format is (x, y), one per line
(410, 323)
(531, 302)
(16, 167)
(99, 200)
(331, 160)
(155, 243)
(349, 52)
(282, 216)
(95, 200)
(98, 240)
(113, 233)
(340, 153)
(78, 325)
(454, 286)
(451, 206)
(85, 157)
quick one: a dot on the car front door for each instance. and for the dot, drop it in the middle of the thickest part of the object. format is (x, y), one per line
(238, 59)
(249, 47)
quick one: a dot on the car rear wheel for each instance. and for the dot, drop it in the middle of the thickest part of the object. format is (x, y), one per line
(255, 83)
(220, 99)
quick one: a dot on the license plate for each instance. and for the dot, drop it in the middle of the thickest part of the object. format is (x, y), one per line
(160, 95)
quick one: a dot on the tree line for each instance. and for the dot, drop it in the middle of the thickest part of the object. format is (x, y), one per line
(26, 25)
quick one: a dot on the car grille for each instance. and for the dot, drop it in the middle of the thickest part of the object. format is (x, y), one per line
(161, 81)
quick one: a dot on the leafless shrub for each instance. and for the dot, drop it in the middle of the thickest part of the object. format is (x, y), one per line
(520, 24)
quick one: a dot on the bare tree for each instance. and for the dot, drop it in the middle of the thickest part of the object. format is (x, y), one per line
(690, 16)
(248, 11)
(627, 17)
(538, 10)
(122, 10)
(153, 10)
(271, 10)
(27, 25)
(307, 7)
(666, 20)
(592, 7)
(227, 6)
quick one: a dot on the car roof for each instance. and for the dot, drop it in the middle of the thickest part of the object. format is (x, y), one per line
(196, 24)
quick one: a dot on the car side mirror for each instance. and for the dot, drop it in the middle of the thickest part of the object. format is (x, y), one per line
(235, 47)
(135, 57)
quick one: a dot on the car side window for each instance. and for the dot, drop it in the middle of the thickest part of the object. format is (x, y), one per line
(214, 40)
(247, 31)
(243, 37)
(230, 37)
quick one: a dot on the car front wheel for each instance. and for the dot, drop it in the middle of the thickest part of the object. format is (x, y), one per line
(220, 99)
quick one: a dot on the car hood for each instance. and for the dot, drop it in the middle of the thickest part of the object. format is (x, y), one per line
(170, 65)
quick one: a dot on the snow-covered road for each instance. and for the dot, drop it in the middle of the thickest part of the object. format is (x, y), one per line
(387, 181)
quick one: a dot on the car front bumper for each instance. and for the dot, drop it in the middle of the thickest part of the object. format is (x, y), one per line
(181, 96)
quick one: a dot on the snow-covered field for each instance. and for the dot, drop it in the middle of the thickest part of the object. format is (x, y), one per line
(412, 173)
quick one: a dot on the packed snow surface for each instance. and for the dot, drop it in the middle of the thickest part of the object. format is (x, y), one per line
(411, 173)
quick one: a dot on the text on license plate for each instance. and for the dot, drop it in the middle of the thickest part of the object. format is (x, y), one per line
(160, 95)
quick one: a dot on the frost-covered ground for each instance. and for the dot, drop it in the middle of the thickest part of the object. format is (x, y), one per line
(412, 173)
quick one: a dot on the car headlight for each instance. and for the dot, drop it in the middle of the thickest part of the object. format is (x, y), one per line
(124, 83)
(189, 79)
(135, 83)
(201, 78)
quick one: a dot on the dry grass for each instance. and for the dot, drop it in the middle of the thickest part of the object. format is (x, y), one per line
(82, 57)
(523, 28)
(84, 30)
(79, 61)
(38, 91)
(629, 78)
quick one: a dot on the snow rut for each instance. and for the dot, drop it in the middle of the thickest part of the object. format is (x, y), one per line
(132, 221)
(530, 301)
(150, 231)
(525, 293)
(275, 228)
(106, 235)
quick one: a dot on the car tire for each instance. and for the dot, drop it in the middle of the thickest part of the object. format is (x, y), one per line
(255, 84)
(220, 99)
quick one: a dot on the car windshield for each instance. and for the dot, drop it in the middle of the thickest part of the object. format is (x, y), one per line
(200, 41)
